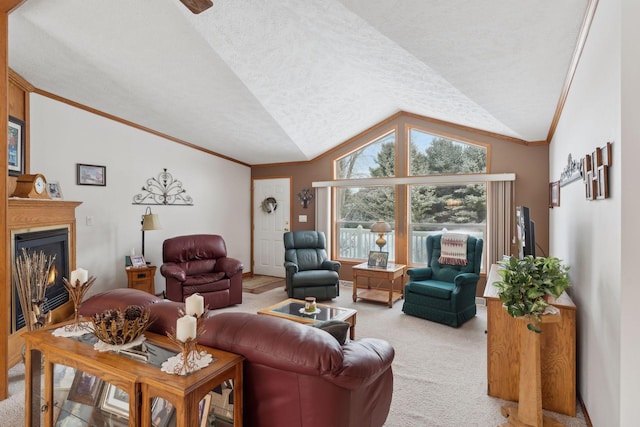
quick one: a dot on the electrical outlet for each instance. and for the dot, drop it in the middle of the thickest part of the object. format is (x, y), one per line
(89, 221)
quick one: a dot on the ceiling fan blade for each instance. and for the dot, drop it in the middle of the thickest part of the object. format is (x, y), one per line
(197, 6)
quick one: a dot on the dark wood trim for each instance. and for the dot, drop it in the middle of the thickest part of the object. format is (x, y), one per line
(404, 114)
(5, 277)
(577, 53)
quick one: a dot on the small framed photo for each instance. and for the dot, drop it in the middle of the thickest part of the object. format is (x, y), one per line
(115, 401)
(91, 175)
(378, 259)
(15, 145)
(75, 414)
(63, 376)
(161, 412)
(85, 389)
(603, 183)
(554, 194)
(606, 154)
(203, 410)
(53, 188)
(222, 401)
(138, 261)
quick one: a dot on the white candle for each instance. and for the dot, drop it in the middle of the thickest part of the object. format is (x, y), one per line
(83, 275)
(194, 305)
(79, 274)
(186, 327)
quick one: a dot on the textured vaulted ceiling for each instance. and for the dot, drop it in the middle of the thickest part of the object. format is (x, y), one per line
(278, 81)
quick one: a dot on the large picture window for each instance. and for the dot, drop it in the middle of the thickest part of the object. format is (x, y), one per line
(426, 207)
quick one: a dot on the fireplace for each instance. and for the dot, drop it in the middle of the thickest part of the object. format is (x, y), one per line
(51, 241)
(35, 215)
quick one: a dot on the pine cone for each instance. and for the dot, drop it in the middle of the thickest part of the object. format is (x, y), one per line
(133, 312)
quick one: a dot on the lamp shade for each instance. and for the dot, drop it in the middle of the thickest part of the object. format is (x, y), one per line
(150, 222)
(381, 227)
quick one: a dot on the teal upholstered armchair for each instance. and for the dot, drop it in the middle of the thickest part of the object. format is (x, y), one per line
(445, 292)
(309, 272)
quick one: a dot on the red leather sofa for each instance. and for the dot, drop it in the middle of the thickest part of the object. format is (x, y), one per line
(294, 375)
(198, 263)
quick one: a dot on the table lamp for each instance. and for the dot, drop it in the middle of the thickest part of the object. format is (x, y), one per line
(381, 228)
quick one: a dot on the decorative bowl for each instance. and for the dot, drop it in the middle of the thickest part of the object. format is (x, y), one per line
(116, 327)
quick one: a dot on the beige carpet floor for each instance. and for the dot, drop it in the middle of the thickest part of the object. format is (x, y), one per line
(439, 372)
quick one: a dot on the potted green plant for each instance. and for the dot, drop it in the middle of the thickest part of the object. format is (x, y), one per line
(527, 284)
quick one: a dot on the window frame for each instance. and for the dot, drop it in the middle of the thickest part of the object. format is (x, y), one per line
(402, 181)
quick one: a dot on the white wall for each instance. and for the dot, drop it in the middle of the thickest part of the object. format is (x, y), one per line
(62, 136)
(630, 292)
(598, 238)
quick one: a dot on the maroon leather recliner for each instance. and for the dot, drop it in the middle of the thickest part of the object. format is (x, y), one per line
(294, 375)
(198, 263)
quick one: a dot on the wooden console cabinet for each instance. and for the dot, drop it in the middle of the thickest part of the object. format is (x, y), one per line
(557, 352)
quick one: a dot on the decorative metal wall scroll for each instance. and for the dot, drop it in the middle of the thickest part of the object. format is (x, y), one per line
(305, 197)
(163, 190)
(595, 173)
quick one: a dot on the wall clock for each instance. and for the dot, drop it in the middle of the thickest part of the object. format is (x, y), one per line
(31, 186)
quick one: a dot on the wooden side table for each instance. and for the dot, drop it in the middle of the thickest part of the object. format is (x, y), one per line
(142, 278)
(383, 288)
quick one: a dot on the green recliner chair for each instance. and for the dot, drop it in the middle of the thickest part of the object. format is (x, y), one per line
(444, 293)
(309, 272)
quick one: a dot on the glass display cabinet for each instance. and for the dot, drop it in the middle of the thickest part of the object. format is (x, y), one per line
(68, 383)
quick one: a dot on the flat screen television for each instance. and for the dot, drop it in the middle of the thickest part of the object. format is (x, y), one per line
(525, 232)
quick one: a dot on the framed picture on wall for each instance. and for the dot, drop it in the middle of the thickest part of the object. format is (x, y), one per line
(91, 175)
(554, 194)
(15, 144)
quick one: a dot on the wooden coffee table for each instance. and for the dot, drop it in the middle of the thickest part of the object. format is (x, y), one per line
(290, 309)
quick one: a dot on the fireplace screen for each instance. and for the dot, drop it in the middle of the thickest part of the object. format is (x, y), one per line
(51, 242)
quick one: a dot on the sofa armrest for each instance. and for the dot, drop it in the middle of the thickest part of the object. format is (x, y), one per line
(230, 266)
(331, 265)
(364, 360)
(173, 270)
(466, 279)
(420, 273)
(290, 267)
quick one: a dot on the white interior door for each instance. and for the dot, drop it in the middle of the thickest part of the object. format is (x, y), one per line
(268, 227)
